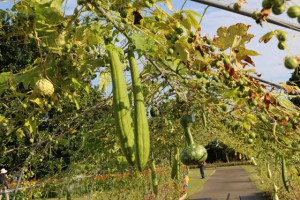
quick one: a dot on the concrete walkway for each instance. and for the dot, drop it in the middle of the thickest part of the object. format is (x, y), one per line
(228, 184)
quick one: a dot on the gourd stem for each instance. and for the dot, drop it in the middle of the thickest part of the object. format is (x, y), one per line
(188, 136)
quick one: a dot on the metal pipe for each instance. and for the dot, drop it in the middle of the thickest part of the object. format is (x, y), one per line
(265, 81)
(248, 13)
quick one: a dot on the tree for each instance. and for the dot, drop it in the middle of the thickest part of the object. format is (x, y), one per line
(294, 80)
(16, 51)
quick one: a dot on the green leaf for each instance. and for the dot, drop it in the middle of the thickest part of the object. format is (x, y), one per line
(4, 77)
(57, 4)
(93, 34)
(76, 103)
(214, 100)
(181, 52)
(74, 80)
(141, 42)
(104, 79)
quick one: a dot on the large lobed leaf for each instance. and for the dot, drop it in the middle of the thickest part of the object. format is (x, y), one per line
(233, 36)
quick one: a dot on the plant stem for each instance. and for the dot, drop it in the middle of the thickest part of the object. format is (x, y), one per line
(203, 14)
(183, 5)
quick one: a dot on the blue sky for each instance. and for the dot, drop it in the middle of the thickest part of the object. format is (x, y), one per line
(269, 63)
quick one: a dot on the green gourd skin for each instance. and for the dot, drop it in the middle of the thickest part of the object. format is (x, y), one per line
(188, 136)
(284, 175)
(154, 177)
(187, 122)
(193, 153)
(175, 174)
(122, 106)
(141, 127)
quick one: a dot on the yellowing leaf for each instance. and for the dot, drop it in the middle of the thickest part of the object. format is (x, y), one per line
(73, 130)
(247, 126)
(192, 12)
(28, 124)
(39, 102)
(242, 56)
(170, 7)
(233, 36)
(20, 134)
(266, 37)
(192, 20)
(1, 118)
(251, 118)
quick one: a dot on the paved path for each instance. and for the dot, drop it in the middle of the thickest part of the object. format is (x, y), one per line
(228, 184)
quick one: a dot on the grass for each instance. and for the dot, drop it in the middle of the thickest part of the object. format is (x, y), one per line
(196, 183)
(254, 178)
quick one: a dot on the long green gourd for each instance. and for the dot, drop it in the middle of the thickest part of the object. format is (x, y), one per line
(284, 175)
(186, 122)
(154, 177)
(175, 173)
(141, 127)
(122, 106)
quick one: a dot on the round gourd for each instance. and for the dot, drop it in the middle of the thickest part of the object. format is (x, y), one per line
(281, 45)
(282, 36)
(43, 87)
(290, 62)
(193, 154)
(256, 15)
(278, 10)
(266, 4)
(277, 3)
(293, 11)
(170, 51)
(237, 6)
(154, 112)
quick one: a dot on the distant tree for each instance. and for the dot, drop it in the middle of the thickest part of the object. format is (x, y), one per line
(16, 51)
(295, 81)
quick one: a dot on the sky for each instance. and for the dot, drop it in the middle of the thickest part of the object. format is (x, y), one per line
(269, 63)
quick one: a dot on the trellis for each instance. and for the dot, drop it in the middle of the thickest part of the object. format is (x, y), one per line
(248, 12)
